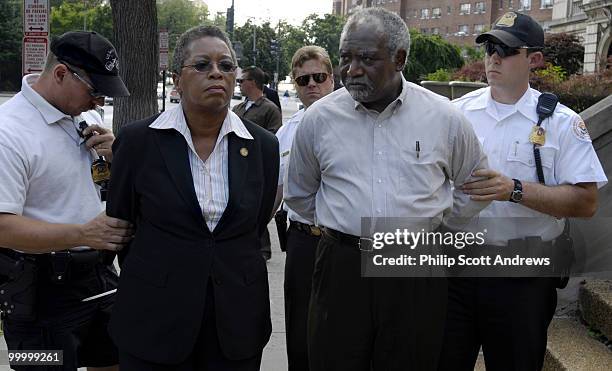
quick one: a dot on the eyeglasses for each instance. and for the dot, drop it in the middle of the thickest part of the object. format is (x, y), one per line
(305, 79)
(504, 50)
(239, 81)
(91, 90)
(206, 66)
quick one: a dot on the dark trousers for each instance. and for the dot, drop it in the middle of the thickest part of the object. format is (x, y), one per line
(371, 324)
(206, 355)
(299, 264)
(509, 317)
(64, 322)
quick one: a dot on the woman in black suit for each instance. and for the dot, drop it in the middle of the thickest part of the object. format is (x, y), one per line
(199, 185)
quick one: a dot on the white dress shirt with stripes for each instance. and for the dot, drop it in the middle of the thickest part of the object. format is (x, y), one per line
(210, 177)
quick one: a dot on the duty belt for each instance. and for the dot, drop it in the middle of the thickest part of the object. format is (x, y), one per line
(311, 230)
(61, 262)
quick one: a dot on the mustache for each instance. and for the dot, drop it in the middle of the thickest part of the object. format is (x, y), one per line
(359, 81)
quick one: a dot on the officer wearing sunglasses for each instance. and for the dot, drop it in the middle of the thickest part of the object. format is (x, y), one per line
(311, 70)
(509, 317)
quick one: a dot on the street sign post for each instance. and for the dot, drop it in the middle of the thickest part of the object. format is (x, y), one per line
(163, 49)
(36, 18)
(163, 62)
(34, 54)
(35, 43)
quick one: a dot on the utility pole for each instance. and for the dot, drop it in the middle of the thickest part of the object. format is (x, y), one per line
(229, 22)
(254, 45)
(84, 15)
(278, 55)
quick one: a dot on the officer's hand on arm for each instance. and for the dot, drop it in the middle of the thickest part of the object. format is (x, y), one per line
(492, 186)
(101, 141)
(106, 233)
(565, 200)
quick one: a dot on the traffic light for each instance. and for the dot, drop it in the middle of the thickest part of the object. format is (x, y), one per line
(229, 22)
(274, 47)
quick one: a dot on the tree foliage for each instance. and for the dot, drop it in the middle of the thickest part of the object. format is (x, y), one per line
(564, 50)
(325, 32)
(261, 56)
(177, 16)
(73, 15)
(291, 39)
(10, 44)
(315, 30)
(428, 53)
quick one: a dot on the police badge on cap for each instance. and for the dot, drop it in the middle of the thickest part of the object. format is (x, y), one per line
(94, 54)
(515, 30)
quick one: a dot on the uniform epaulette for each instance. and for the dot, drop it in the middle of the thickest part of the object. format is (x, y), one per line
(471, 94)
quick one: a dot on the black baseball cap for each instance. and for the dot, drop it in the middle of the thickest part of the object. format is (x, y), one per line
(515, 29)
(94, 54)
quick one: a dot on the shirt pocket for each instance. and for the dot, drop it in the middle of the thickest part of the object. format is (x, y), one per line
(522, 164)
(419, 173)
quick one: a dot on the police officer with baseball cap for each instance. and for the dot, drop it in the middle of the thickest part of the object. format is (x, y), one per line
(57, 244)
(543, 169)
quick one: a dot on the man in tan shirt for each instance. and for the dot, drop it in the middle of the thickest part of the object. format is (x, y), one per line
(260, 110)
(257, 107)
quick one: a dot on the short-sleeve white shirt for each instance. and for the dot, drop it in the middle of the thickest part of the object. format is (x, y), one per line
(285, 136)
(567, 156)
(46, 168)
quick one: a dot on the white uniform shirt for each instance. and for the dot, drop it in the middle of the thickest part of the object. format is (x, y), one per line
(45, 167)
(567, 156)
(348, 162)
(285, 139)
(210, 178)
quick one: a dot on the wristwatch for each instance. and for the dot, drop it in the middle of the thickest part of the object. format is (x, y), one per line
(517, 194)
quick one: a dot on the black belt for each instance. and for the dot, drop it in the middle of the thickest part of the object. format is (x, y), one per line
(311, 230)
(361, 243)
(60, 261)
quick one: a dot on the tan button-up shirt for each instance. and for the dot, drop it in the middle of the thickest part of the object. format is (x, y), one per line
(262, 112)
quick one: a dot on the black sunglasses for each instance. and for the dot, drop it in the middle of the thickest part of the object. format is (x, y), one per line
(305, 79)
(239, 81)
(205, 66)
(504, 50)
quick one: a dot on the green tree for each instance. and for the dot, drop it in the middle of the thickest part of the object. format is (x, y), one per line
(263, 35)
(177, 16)
(428, 54)
(291, 38)
(74, 15)
(10, 44)
(564, 50)
(325, 32)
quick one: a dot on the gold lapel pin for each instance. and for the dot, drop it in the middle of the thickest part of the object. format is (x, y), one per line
(244, 152)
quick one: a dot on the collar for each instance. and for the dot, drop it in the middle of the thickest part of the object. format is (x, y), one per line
(394, 105)
(259, 101)
(49, 113)
(526, 105)
(174, 118)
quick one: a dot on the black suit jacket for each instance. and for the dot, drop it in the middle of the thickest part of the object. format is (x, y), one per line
(272, 95)
(165, 270)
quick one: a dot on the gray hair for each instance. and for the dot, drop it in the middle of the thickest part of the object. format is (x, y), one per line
(386, 23)
(181, 50)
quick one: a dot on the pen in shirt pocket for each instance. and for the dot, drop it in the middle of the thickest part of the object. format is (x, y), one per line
(418, 148)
